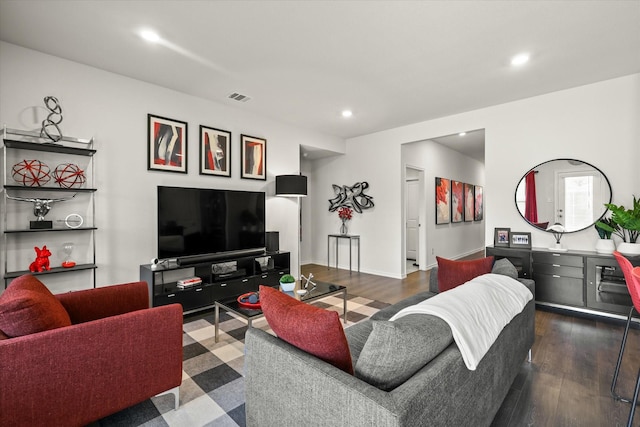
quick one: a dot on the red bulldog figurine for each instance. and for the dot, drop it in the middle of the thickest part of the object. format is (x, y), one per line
(42, 260)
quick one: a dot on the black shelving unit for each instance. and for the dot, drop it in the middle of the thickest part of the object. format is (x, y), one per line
(28, 144)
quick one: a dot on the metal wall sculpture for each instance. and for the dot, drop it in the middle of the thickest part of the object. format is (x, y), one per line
(351, 197)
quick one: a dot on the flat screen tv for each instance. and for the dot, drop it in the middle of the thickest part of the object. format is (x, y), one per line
(203, 222)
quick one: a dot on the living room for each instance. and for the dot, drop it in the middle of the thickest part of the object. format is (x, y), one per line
(582, 119)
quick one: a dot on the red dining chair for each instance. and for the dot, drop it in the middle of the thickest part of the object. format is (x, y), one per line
(636, 275)
(633, 284)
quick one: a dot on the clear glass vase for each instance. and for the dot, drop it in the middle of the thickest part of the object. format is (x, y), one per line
(343, 227)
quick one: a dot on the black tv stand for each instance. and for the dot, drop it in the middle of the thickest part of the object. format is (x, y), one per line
(240, 274)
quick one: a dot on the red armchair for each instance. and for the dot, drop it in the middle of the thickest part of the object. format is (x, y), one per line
(116, 353)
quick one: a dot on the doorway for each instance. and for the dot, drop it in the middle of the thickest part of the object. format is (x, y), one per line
(415, 211)
(575, 196)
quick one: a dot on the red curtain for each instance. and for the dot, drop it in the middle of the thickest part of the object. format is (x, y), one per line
(530, 204)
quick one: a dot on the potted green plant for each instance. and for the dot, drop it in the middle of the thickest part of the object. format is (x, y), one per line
(287, 283)
(628, 221)
(605, 228)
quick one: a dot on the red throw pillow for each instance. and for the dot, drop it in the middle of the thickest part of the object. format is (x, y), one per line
(27, 306)
(454, 273)
(309, 328)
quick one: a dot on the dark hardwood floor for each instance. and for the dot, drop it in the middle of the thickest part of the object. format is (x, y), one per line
(573, 359)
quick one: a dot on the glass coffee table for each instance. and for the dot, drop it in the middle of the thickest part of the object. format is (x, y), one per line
(320, 290)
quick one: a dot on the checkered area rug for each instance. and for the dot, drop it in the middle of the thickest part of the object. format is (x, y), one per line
(212, 390)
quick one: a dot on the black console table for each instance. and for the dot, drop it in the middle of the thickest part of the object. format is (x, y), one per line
(583, 281)
(221, 279)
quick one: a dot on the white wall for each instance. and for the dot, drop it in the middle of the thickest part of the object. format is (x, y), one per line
(382, 164)
(596, 123)
(380, 226)
(114, 109)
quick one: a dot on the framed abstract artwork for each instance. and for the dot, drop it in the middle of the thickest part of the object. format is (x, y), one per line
(443, 201)
(468, 202)
(457, 201)
(479, 205)
(166, 144)
(254, 158)
(215, 152)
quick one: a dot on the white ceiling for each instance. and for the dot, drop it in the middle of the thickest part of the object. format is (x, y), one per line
(392, 62)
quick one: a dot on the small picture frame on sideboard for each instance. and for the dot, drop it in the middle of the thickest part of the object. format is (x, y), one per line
(501, 237)
(520, 240)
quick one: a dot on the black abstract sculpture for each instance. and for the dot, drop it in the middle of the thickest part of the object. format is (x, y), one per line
(351, 197)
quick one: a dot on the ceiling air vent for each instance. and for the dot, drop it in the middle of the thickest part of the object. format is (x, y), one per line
(239, 97)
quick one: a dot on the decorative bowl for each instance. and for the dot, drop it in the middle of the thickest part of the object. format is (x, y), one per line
(243, 301)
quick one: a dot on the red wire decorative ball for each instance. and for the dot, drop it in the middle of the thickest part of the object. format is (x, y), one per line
(31, 173)
(68, 175)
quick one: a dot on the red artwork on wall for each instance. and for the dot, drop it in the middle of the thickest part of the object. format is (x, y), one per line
(443, 197)
(468, 202)
(457, 201)
(479, 206)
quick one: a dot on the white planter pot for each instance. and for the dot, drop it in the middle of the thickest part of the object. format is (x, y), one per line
(605, 246)
(629, 248)
(288, 287)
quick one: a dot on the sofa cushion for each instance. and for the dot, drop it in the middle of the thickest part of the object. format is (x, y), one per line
(395, 350)
(309, 328)
(27, 307)
(454, 273)
(505, 267)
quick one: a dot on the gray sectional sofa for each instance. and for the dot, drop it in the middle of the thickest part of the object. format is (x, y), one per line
(285, 386)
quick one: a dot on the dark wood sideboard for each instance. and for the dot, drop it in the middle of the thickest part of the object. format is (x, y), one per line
(581, 281)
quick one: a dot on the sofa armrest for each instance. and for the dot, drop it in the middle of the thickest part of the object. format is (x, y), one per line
(80, 373)
(280, 377)
(433, 280)
(98, 303)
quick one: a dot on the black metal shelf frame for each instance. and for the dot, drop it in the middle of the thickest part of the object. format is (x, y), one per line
(14, 139)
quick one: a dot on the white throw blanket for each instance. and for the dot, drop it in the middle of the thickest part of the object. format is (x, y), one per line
(476, 311)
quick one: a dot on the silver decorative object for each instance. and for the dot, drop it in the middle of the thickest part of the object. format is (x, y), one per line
(309, 285)
(50, 128)
(41, 208)
(74, 220)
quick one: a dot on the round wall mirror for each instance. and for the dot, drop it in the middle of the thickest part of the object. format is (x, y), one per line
(565, 191)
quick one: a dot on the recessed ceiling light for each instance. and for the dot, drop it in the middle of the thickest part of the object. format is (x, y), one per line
(150, 36)
(462, 134)
(520, 59)
(347, 113)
